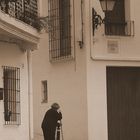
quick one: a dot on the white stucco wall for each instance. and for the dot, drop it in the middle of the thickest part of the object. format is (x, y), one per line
(98, 58)
(80, 85)
(11, 55)
(127, 46)
(66, 85)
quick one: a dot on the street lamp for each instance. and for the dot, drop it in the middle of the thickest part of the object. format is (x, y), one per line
(107, 5)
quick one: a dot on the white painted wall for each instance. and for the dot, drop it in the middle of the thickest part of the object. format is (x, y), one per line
(128, 46)
(80, 85)
(11, 55)
(98, 58)
(66, 85)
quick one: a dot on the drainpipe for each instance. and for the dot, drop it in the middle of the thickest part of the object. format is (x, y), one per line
(30, 94)
(82, 20)
(81, 42)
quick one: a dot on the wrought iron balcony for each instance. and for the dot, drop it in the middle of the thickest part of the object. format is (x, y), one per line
(119, 28)
(23, 10)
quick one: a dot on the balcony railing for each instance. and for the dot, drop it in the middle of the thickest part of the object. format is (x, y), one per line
(24, 10)
(119, 28)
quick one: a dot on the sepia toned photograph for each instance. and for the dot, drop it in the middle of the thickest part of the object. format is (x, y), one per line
(69, 70)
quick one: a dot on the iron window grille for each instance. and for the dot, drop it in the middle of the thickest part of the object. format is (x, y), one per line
(11, 83)
(44, 91)
(24, 10)
(120, 28)
(60, 31)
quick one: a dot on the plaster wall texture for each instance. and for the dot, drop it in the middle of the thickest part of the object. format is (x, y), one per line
(11, 55)
(79, 85)
(98, 58)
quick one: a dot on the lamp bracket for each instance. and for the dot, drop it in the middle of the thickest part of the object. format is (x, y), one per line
(97, 19)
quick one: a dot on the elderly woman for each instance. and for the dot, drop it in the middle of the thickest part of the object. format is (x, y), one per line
(50, 122)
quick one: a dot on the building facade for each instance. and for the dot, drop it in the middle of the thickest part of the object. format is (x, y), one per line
(59, 69)
(87, 61)
(93, 73)
(18, 38)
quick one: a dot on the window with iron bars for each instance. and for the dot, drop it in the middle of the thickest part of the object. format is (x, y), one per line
(44, 91)
(24, 10)
(11, 88)
(60, 31)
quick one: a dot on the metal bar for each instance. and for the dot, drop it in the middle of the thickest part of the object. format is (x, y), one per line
(11, 95)
(59, 35)
(120, 28)
(22, 10)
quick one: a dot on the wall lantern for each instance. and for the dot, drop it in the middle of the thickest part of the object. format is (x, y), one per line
(107, 5)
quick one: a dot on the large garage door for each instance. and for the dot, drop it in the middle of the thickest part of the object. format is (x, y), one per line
(123, 103)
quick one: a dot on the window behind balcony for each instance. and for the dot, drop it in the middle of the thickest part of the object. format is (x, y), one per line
(60, 31)
(115, 20)
(11, 83)
(24, 10)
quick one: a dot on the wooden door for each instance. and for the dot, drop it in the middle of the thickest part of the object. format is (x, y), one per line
(123, 103)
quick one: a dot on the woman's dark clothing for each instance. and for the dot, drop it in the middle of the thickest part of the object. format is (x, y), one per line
(49, 124)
